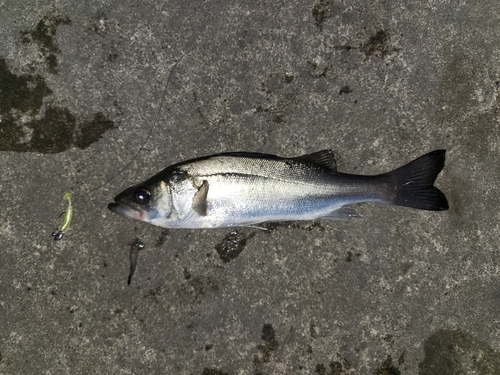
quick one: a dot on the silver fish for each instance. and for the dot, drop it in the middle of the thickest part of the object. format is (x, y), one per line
(245, 189)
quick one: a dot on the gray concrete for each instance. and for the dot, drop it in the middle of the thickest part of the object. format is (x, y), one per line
(399, 291)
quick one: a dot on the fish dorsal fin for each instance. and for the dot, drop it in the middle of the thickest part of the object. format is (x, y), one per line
(200, 199)
(324, 158)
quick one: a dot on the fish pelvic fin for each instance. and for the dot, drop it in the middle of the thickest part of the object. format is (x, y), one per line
(414, 183)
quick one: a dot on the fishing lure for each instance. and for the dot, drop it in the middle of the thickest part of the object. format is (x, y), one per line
(67, 216)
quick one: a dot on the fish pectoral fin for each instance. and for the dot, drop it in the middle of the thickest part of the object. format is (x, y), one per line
(200, 199)
(343, 213)
(324, 158)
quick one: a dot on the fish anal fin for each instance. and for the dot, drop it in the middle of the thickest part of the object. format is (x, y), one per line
(343, 213)
(199, 204)
(324, 158)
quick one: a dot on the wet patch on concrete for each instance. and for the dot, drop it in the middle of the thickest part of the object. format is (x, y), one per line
(281, 91)
(335, 369)
(378, 45)
(232, 245)
(405, 267)
(135, 246)
(455, 352)
(23, 93)
(162, 238)
(155, 294)
(350, 256)
(28, 125)
(319, 71)
(89, 132)
(270, 344)
(341, 366)
(345, 90)
(198, 287)
(321, 13)
(387, 368)
(209, 371)
(101, 24)
(272, 226)
(44, 36)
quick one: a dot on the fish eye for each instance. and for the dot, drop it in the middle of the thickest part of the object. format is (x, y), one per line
(142, 195)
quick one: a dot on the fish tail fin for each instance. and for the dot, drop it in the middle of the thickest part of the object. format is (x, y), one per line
(415, 183)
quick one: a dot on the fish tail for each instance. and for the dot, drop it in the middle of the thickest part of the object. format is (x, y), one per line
(415, 183)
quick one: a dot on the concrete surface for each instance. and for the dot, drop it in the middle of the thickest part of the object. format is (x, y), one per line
(399, 291)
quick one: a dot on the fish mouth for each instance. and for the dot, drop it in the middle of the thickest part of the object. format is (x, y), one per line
(126, 212)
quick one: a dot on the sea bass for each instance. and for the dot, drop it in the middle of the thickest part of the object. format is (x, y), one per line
(245, 189)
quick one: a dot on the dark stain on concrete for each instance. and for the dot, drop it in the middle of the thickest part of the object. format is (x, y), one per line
(92, 131)
(378, 44)
(100, 26)
(162, 238)
(155, 294)
(232, 245)
(272, 226)
(344, 48)
(209, 371)
(270, 344)
(497, 90)
(135, 246)
(405, 267)
(345, 90)
(387, 368)
(350, 256)
(312, 331)
(44, 36)
(26, 125)
(318, 71)
(198, 287)
(23, 93)
(450, 352)
(321, 13)
(112, 57)
(336, 367)
(289, 78)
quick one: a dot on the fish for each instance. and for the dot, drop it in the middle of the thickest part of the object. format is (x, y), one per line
(242, 189)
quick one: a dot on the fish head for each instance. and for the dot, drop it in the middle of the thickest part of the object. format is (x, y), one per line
(148, 202)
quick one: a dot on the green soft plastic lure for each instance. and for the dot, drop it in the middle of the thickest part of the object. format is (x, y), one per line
(67, 216)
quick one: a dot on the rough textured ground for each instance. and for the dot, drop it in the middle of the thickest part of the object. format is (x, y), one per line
(397, 292)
